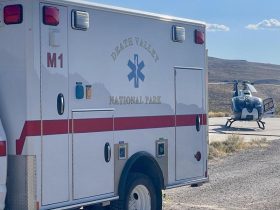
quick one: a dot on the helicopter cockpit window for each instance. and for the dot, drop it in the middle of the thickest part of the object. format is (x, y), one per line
(245, 93)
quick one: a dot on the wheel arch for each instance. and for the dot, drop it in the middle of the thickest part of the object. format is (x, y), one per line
(145, 163)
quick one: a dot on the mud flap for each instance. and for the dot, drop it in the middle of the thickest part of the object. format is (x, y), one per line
(21, 183)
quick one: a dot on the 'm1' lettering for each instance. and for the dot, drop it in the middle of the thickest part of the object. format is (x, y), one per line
(52, 60)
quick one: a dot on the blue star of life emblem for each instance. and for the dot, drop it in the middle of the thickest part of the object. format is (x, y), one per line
(136, 69)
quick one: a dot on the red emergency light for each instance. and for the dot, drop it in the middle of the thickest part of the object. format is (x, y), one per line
(199, 37)
(3, 149)
(50, 16)
(13, 14)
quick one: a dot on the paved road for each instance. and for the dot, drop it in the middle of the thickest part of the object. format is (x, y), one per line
(249, 130)
(245, 180)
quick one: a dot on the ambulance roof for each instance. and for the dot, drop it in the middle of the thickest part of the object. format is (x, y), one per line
(129, 11)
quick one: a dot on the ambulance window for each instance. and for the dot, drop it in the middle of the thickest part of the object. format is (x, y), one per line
(80, 20)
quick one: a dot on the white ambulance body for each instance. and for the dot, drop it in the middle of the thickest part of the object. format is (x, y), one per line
(99, 105)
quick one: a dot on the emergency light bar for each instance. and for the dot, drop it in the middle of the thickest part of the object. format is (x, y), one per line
(50, 16)
(3, 149)
(199, 37)
(178, 34)
(80, 20)
(13, 14)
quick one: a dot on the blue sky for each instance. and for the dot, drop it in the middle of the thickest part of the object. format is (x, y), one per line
(237, 29)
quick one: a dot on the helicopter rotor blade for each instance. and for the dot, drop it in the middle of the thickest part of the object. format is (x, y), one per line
(273, 85)
(252, 83)
(220, 83)
(251, 88)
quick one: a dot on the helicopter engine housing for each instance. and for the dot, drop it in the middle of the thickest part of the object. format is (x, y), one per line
(247, 108)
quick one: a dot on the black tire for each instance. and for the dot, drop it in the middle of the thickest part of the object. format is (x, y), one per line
(96, 207)
(134, 180)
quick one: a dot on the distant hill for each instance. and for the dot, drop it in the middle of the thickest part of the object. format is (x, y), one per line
(222, 70)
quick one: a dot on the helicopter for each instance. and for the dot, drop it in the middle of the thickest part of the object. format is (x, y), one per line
(245, 106)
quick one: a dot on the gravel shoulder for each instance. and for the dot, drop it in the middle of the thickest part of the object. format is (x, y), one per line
(245, 180)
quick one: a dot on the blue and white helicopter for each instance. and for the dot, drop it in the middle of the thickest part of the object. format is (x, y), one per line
(246, 107)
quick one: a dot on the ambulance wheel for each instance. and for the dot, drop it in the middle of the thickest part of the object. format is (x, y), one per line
(140, 194)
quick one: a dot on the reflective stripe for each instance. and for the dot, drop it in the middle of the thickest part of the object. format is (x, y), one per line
(53, 127)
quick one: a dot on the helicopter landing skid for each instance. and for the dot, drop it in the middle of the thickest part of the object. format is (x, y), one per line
(261, 124)
(229, 122)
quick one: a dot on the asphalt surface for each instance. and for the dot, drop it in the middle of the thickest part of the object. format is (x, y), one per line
(249, 130)
(245, 180)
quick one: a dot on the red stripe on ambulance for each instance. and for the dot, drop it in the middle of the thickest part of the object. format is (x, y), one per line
(52, 127)
(131, 123)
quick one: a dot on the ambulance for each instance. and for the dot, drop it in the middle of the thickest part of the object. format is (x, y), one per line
(99, 105)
